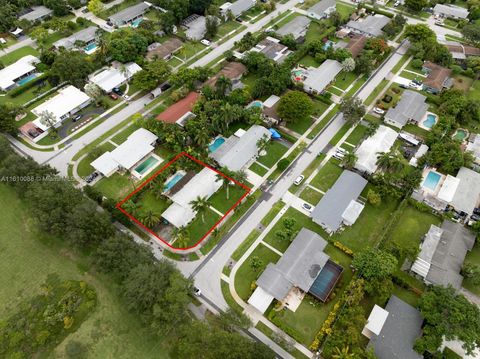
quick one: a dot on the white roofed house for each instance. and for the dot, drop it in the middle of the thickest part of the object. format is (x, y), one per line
(368, 152)
(12, 75)
(128, 15)
(371, 25)
(411, 108)
(36, 13)
(317, 79)
(451, 11)
(129, 155)
(236, 8)
(112, 77)
(66, 103)
(322, 9)
(83, 37)
(204, 185)
(239, 149)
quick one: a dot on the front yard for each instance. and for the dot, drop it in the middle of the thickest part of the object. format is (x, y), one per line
(275, 150)
(327, 175)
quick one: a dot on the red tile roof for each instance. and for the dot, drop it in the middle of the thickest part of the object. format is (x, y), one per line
(179, 109)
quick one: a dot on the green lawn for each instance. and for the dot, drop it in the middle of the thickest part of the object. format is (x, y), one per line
(219, 200)
(410, 76)
(344, 80)
(275, 150)
(416, 130)
(369, 226)
(357, 135)
(28, 256)
(227, 27)
(345, 10)
(376, 92)
(17, 54)
(327, 175)
(311, 196)
(150, 203)
(26, 96)
(246, 275)
(259, 170)
(319, 107)
(473, 257)
(306, 321)
(475, 90)
(313, 165)
(399, 64)
(301, 221)
(197, 228)
(319, 127)
(335, 91)
(411, 226)
(116, 186)
(301, 125)
(308, 61)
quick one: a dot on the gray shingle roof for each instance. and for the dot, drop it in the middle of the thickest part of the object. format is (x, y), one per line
(447, 261)
(129, 13)
(411, 106)
(236, 152)
(298, 267)
(451, 10)
(371, 25)
(240, 6)
(399, 332)
(328, 213)
(297, 27)
(38, 12)
(320, 7)
(85, 35)
(316, 79)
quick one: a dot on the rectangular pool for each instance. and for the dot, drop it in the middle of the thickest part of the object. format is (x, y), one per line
(431, 181)
(146, 165)
(326, 280)
(26, 79)
(173, 181)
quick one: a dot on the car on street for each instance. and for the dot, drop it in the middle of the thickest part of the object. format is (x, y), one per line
(307, 207)
(378, 111)
(299, 180)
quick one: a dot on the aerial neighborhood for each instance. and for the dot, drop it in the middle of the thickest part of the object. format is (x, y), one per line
(240, 179)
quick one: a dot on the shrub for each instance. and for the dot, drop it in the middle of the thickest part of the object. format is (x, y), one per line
(283, 164)
(417, 64)
(343, 248)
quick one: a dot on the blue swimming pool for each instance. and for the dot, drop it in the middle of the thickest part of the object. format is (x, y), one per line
(326, 280)
(216, 144)
(26, 79)
(256, 104)
(146, 165)
(327, 45)
(430, 121)
(431, 181)
(90, 47)
(137, 22)
(173, 181)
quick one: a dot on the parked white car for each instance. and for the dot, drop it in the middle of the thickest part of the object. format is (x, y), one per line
(415, 86)
(378, 111)
(299, 180)
(205, 42)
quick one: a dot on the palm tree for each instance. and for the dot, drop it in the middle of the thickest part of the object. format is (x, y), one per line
(222, 86)
(150, 219)
(132, 207)
(343, 353)
(200, 205)
(384, 161)
(225, 180)
(182, 236)
(240, 176)
(262, 143)
(349, 160)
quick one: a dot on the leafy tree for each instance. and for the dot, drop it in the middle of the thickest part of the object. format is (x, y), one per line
(448, 315)
(72, 67)
(93, 91)
(126, 45)
(472, 32)
(222, 86)
(188, 77)
(348, 65)
(182, 237)
(230, 320)
(40, 35)
(390, 161)
(283, 164)
(59, 7)
(352, 109)
(8, 113)
(416, 5)
(364, 63)
(200, 205)
(256, 263)
(211, 25)
(374, 264)
(419, 33)
(152, 75)
(374, 198)
(294, 106)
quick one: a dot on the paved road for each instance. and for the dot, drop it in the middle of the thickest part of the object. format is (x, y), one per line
(218, 51)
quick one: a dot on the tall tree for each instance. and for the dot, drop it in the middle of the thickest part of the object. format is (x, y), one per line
(200, 205)
(295, 106)
(352, 109)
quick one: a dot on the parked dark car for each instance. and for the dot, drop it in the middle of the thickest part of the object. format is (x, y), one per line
(118, 91)
(91, 177)
(475, 217)
(76, 117)
(476, 211)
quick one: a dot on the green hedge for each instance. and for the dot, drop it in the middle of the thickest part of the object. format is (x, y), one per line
(379, 11)
(21, 89)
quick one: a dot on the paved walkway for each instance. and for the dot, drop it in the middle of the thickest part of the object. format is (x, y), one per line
(27, 41)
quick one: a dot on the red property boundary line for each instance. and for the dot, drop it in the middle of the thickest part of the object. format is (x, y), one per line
(176, 158)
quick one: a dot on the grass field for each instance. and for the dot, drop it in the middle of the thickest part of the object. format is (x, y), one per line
(259, 170)
(311, 196)
(320, 126)
(357, 135)
(28, 256)
(301, 125)
(221, 203)
(327, 175)
(246, 274)
(275, 150)
(17, 54)
(198, 228)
